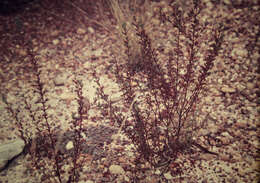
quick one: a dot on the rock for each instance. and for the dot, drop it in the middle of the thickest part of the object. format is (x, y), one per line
(217, 100)
(250, 85)
(168, 176)
(240, 86)
(69, 145)
(214, 90)
(227, 1)
(55, 41)
(212, 128)
(54, 33)
(98, 52)
(60, 80)
(203, 132)
(225, 157)
(116, 169)
(155, 21)
(151, 179)
(122, 160)
(226, 134)
(241, 124)
(241, 52)
(85, 38)
(88, 181)
(81, 31)
(207, 157)
(237, 133)
(157, 172)
(10, 150)
(227, 89)
(225, 140)
(127, 179)
(22, 52)
(91, 30)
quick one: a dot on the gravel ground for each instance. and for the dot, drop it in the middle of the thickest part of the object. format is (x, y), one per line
(69, 45)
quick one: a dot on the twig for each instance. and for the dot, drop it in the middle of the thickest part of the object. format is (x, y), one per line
(122, 124)
(205, 150)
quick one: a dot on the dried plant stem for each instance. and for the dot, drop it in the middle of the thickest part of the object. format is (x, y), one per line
(90, 20)
(115, 137)
(41, 91)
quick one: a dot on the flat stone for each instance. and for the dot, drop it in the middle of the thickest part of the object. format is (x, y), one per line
(10, 150)
(207, 157)
(116, 169)
(225, 157)
(227, 89)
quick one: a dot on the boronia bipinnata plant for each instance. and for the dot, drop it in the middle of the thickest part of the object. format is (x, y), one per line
(41, 133)
(163, 121)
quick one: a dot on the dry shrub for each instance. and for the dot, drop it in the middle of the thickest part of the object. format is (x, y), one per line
(42, 135)
(163, 118)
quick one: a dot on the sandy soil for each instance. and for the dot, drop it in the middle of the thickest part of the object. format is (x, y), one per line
(69, 44)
